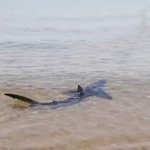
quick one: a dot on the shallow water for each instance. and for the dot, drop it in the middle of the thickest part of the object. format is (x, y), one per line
(43, 54)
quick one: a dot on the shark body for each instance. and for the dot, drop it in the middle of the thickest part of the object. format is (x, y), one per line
(77, 96)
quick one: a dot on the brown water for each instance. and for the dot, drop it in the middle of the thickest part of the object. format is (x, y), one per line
(122, 123)
(43, 55)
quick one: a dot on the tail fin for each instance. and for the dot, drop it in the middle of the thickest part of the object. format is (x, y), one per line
(80, 90)
(22, 98)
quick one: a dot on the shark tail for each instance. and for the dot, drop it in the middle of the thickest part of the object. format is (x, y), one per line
(22, 98)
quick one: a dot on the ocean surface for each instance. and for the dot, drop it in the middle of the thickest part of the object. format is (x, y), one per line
(48, 47)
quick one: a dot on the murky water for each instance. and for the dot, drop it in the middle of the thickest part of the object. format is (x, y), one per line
(45, 50)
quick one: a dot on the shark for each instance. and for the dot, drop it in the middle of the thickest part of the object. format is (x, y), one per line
(75, 96)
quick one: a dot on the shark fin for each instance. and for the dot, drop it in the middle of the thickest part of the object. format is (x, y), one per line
(80, 90)
(103, 94)
(22, 98)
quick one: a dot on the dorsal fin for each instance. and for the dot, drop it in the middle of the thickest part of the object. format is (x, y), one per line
(80, 90)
